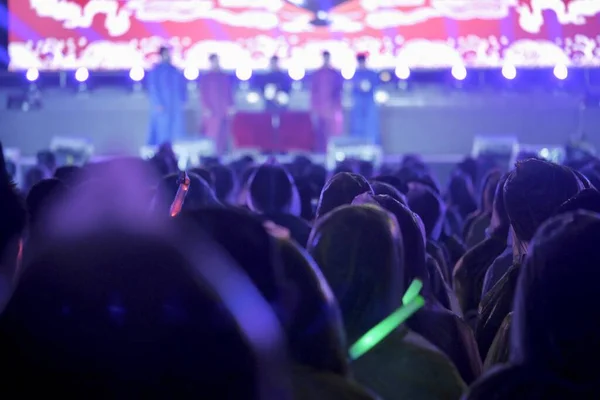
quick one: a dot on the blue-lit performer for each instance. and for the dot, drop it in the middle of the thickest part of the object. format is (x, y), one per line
(276, 86)
(364, 116)
(168, 95)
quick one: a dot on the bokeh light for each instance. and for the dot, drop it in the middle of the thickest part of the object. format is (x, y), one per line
(32, 74)
(297, 73)
(561, 72)
(509, 71)
(459, 72)
(137, 74)
(243, 73)
(191, 73)
(402, 72)
(82, 74)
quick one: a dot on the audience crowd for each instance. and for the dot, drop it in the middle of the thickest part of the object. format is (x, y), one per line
(131, 278)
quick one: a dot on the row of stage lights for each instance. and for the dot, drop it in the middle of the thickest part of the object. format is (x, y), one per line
(459, 72)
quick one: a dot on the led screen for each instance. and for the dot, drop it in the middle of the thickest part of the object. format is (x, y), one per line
(120, 34)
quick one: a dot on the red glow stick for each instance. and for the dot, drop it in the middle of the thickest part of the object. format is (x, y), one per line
(182, 191)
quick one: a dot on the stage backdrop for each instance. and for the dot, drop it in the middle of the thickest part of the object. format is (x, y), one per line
(117, 34)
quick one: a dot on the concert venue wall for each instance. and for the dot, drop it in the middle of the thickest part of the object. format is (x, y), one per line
(120, 34)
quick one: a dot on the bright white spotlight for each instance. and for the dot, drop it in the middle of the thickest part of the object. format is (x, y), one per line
(32, 74)
(137, 74)
(381, 97)
(243, 73)
(459, 72)
(561, 72)
(82, 74)
(297, 73)
(348, 72)
(253, 97)
(297, 2)
(402, 72)
(191, 73)
(509, 71)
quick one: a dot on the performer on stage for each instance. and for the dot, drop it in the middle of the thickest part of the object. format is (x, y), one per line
(217, 99)
(168, 95)
(276, 87)
(364, 117)
(326, 103)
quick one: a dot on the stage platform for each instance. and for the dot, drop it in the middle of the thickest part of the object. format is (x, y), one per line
(433, 122)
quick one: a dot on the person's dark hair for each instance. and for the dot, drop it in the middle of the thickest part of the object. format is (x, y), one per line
(413, 162)
(341, 190)
(274, 58)
(326, 54)
(408, 176)
(428, 206)
(361, 57)
(33, 176)
(366, 168)
(199, 195)
(394, 181)
(13, 216)
(46, 159)
(306, 193)
(587, 199)
(488, 189)
(42, 196)
(533, 192)
(592, 175)
(204, 174)
(213, 57)
(271, 189)
(470, 167)
(243, 236)
(460, 194)
(367, 281)
(381, 188)
(316, 332)
(318, 177)
(82, 299)
(500, 224)
(225, 182)
(557, 308)
(585, 182)
(412, 241)
(68, 174)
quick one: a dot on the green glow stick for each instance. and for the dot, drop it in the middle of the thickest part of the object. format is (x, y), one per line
(412, 292)
(387, 326)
